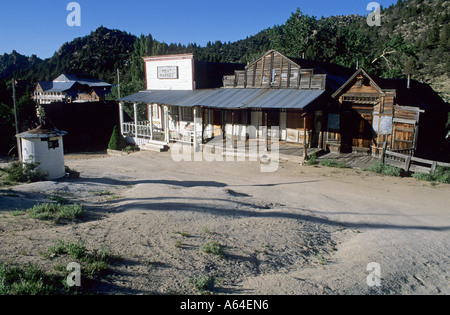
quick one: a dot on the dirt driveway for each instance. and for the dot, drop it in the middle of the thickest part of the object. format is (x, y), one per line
(301, 230)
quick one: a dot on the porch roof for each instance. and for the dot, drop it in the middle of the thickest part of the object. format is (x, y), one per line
(229, 98)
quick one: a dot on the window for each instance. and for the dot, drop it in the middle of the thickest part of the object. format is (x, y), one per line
(382, 124)
(53, 143)
(155, 109)
(187, 114)
(334, 122)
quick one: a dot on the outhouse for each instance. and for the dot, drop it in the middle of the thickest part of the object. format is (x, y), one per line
(45, 146)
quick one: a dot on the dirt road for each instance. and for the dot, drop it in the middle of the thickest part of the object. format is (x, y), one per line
(300, 230)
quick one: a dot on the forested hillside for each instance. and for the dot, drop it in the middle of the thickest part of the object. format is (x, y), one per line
(414, 35)
(11, 63)
(98, 54)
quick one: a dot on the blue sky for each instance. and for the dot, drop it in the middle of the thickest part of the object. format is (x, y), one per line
(39, 27)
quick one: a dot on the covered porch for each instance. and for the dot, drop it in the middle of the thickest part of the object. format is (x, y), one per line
(195, 117)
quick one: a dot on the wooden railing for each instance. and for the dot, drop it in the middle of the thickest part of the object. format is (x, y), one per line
(409, 151)
(183, 136)
(410, 163)
(143, 129)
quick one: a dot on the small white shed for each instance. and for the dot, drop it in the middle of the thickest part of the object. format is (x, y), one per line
(46, 147)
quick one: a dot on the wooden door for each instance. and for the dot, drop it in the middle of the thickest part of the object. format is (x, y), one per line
(403, 137)
(357, 130)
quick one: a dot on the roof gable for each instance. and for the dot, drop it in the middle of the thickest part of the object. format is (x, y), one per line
(252, 64)
(81, 79)
(65, 78)
(56, 86)
(350, 82)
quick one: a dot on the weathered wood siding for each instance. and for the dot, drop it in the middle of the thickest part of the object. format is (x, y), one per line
(405, 128)
(274, 70)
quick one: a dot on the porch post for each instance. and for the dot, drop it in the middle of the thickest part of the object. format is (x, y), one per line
(232, 128)
(266, 136)
(166, 124)
(197, 129)
(135, 123)
(305, 147)
(150, 109)
(121, 117)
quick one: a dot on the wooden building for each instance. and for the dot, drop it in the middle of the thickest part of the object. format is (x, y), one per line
(234, 100)
(403, 116)
(71, 88)
(274, 70)
(314, 104)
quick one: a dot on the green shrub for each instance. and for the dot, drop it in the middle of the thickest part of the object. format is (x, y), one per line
(116, 142)
(93, 262)
(441, 175)
(377, 167)
(18, 172)
(201, 284)
(423, 176)
(213, 248)
(332, 163)
(74, 250)
(28, 281)
(381, 168)
(327, 162)
(312, 160)
(55, 212)
(392, 171)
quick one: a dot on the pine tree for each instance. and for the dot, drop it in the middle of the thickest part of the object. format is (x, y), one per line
(116, 142)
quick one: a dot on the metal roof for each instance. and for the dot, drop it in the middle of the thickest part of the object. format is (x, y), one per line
(56, 86)
(41, 133)
(82, 79)
(229, 98)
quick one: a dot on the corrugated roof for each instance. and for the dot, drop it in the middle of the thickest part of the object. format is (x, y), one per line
(230, 98)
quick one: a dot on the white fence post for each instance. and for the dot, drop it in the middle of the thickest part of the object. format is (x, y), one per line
(135, 123)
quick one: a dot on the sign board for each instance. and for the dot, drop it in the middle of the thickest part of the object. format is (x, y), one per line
(170, 72)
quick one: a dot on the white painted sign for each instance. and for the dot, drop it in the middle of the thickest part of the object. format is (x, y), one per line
(170, 72)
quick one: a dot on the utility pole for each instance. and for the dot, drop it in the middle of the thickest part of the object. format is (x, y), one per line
(118, 83)
(19, 146)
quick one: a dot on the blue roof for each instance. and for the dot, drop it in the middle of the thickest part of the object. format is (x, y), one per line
(82, 79)
(65, 82)
(56, 86)
(229, 98)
